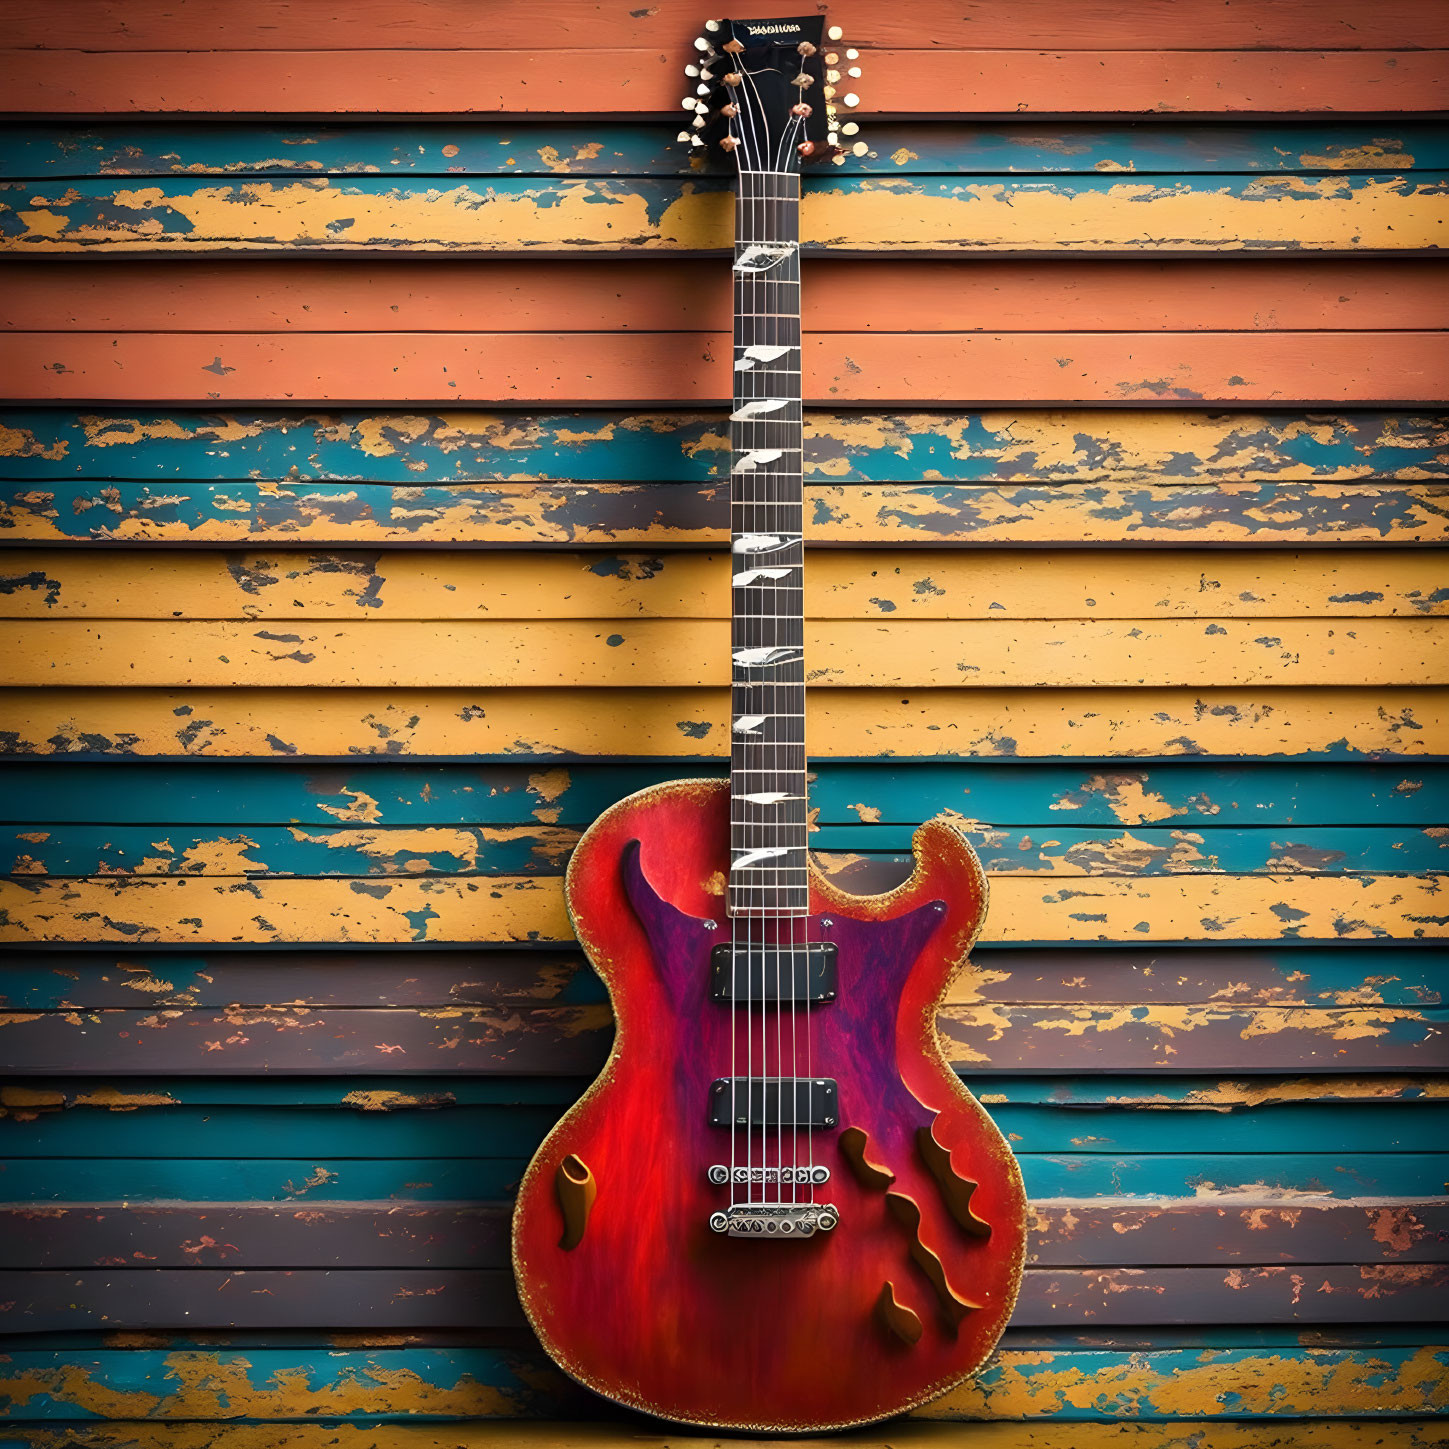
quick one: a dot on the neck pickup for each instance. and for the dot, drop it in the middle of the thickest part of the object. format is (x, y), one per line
(764, 975)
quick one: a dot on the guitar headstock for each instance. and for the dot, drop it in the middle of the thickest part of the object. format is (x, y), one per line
(774, 94)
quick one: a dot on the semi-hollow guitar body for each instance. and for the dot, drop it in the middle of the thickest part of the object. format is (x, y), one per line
(629, 1286)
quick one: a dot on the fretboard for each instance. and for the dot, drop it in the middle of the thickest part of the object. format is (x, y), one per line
(767, 726)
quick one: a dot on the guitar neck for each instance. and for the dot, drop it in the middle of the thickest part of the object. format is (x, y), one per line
(768, 824)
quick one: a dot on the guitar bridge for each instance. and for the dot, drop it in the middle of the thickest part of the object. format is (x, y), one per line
(769, 1220)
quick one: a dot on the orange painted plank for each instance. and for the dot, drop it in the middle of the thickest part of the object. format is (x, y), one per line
(889, 294)
(632, 82)
(1327, 367)
(550, 24)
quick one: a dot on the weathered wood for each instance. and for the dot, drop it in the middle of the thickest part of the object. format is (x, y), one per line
(552, 1040)
(850, 853)
(1338, 212)
(1316, 1433)
(965, 368)
(388, 1384)
(632, 82)
(379, 1094)
(280, 724)
(302, 1183)
(459, 147)
(141, 911)
(509, 1130)
(1067, 1233)
(861, 584)
(570, 24)
(890, 294)
(534, 515)
(1133, 446)
(1290, 976)
(686, 653)
(1086, 795)
(153, 1298)
(1193, 1038)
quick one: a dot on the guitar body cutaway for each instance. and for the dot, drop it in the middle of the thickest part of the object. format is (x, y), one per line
(619, 1271)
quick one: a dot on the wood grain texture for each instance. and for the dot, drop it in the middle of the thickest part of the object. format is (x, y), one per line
(972, 368)
(860, 584)
(522, 908)
(1064, 1233)
(161, 1298)
(685, 653)
(561, 147)
(280, 724)
(671, 515)
(571, 24)
(621, 81)
(840, 295)
(1133, 446)
(1336, 212)
(1317, 1433)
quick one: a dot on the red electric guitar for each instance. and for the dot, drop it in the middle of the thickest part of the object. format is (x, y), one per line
(777, 1208)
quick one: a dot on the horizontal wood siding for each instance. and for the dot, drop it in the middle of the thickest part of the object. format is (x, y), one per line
(363, 469)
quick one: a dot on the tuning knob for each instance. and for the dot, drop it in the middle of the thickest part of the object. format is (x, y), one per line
(850, 128)
(859, 149)
(683, 136)
(698, 119)
(834, 33)
(696, 141)
(853, 72)
(712, 26)
(702, 43)
(690, 103)
(852, 99)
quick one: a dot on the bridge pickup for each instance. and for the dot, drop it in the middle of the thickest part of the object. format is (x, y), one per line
(763, 975)
(760, 1102)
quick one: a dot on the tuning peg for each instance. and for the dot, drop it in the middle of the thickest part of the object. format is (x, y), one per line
(852, 55)
(853, 72)
(696, 141)
(834, 33)
(838, 159)
(860, 149)
(852, 100)
(701, 89)
(832, 76)
(703, 43)
(691, 69)
(832, 59)
(689, 103)
(832, 138)
(684, 136)
(698, 120)
(829, 92)
(850, 128)
(711, 26)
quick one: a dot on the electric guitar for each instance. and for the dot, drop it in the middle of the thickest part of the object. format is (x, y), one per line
(777, 1208)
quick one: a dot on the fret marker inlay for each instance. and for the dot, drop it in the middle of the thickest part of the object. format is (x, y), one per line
(748, 412)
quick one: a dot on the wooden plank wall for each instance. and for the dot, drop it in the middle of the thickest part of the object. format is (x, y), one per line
(363, 467)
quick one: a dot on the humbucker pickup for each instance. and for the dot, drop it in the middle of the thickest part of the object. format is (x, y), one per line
(764, 974)
(759, 1102)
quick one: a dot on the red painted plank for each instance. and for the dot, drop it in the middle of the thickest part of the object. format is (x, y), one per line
(884, 294)
(690, 367)
(634, 82)
(552, 24)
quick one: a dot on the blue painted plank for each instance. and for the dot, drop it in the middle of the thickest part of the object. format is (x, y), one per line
(452, 148)
(66, 1385)
(45, 848)
(1169, 794)
(1325, 1177)
(510, 1131)
(65, 445)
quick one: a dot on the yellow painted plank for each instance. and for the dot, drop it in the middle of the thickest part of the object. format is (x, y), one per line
(673, 723)
(682, 653)
(174, 910)
(1334, 212)
(906, 1434)
(859, 584)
